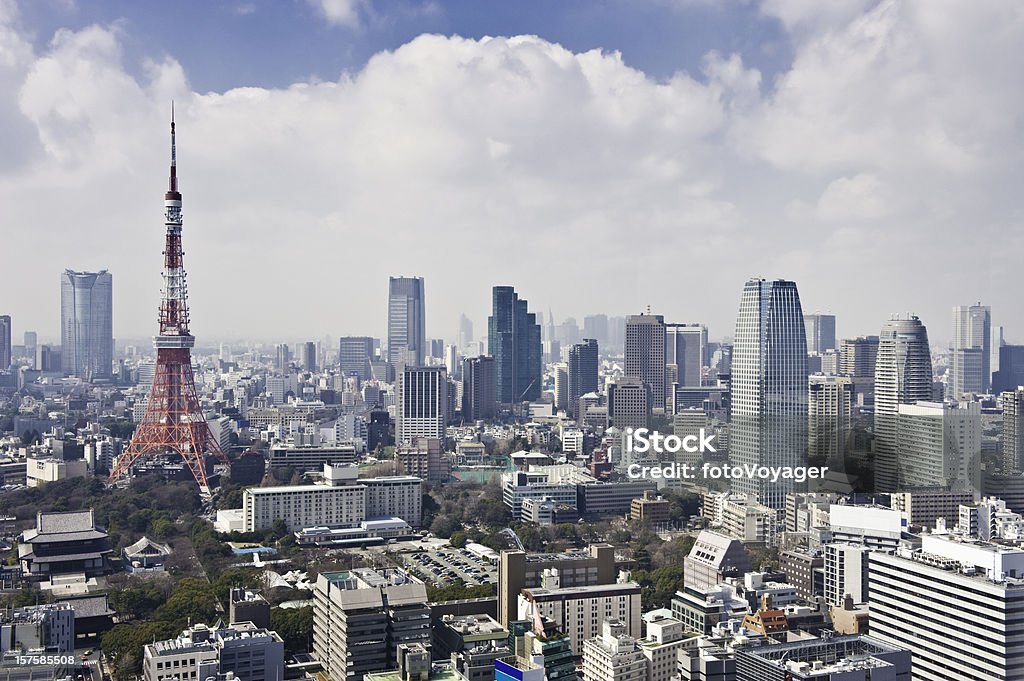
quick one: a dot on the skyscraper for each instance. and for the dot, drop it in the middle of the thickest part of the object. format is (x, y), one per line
(513, 339)
(686, 353)
(1012, 402)
(309, 356)
(582, 373)
(5, 342)
(645, 354)
(407, 339)
(769, 386)
(421, 407)
(970, 368)
(821, 332)
(354, 356)
(465, 336)
(1011, 369)
(830, 412)
(478, 388)
(903, 375)
(857, 357)
(87, 332)
(30, 342)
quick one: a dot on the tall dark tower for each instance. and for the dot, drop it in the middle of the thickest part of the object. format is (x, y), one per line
(173, 423)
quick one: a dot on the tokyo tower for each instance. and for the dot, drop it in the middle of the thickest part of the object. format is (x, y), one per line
(173, 422)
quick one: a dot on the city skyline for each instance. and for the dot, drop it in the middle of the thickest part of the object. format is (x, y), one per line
(284, 159)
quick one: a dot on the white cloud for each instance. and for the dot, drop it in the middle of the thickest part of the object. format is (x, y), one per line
(586, 184)
(340, 12)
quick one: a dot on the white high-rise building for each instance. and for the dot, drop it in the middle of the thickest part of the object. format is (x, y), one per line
(955, 604)
(1012, 402)
(939, 445)
(421, 405)
(971, 360)
(903, 375)
(561, 375)
(614, 655)
(769, 387)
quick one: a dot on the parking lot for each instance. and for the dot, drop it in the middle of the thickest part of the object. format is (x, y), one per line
(446, 566)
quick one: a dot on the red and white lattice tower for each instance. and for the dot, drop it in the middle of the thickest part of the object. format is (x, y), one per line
(173, 422)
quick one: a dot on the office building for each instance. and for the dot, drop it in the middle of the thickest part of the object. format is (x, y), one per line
(845, 567)
(923, 507)
(354, 356)
(47, 629)
(465, 334)
(407, 339)
(804, 569)
(424, 458)
(581, 373)
(769, 387)
(686, 353)
(479, 388)
(473, 643)
(241, 650)
(631, 402)
(836, 658)
(1010, 374)
(830, 414)
(949, 597)
(87, 332)
(903, 375)
(820, 330)
(303, 459)
(580, 611)
(361, 619)
(421, 405)
(248, 606)
(1012, 402)
(341, 501)
(513, 340)
(5, 342)
(714, 558)
(518, 570)
(614, 655)
(650, 508)
(309, 362)
(971, 351)
(645, 355)
(939, 445)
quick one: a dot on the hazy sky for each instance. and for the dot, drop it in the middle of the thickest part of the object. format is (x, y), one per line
(600, 156)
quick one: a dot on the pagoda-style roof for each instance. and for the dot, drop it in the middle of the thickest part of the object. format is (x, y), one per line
(146, 548)
(63, 527)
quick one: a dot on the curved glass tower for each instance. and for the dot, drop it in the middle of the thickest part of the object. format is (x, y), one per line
(87, 332)
(903, 375)
(769, 387)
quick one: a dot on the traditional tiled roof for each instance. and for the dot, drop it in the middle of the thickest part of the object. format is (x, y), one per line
(146, 547)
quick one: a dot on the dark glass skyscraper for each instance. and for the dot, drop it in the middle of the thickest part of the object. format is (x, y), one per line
(513, 339)
(769, 387)
(582, 372)
(407, 339)
(87, 332)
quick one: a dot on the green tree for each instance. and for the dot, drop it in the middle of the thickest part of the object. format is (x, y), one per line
(458, 539)
(294, 625)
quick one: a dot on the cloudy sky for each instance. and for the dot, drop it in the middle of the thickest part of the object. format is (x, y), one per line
(601, 156)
